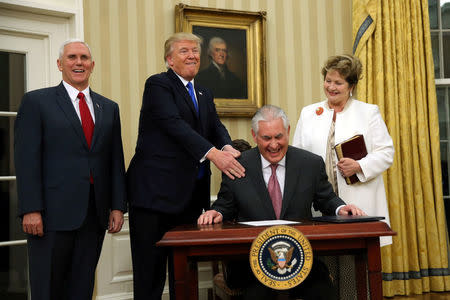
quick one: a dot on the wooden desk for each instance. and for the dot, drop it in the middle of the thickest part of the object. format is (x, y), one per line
(191, 243)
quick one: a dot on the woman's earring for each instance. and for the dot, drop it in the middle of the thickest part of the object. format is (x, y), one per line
(351, 94)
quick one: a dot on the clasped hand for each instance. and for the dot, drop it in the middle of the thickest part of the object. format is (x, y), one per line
(348, 167)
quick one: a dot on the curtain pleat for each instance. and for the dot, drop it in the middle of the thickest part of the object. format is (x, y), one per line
(392, 39)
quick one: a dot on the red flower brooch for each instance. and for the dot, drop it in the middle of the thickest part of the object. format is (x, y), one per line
(319, 110)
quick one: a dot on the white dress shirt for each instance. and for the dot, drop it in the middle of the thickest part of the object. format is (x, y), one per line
(185, 82)
(73, 95)
(281, 172)
(281, 175)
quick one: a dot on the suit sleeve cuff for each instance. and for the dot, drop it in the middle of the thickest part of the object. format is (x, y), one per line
(337, 209)
(204, 156)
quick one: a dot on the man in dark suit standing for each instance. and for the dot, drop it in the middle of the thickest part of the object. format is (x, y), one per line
(281, 182)
(70, 178)
(169, 176)
(217, 77)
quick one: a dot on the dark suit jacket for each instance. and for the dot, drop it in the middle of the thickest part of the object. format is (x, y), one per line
(172, 139)
(53, 162)
(306, 183)
(229, 86)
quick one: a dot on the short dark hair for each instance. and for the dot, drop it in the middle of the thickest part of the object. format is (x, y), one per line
(241, 145)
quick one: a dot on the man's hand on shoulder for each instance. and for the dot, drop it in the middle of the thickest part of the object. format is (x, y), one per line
(228, 148)
(115, 221)
(210, 217)
(32, 223)
(351, 209)
(226, 162)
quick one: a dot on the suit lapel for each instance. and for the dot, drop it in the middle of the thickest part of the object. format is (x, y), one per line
(254, 171)
(202, 106)
(290, 181)
(183, 90)
(98, 112)
(66, 106)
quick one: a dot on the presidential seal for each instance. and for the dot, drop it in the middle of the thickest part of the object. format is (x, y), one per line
(281, 257)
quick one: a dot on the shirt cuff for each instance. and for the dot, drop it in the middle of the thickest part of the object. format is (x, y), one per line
(337, 209)
(204, 156)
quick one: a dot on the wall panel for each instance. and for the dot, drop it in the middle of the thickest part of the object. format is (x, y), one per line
(127, 40)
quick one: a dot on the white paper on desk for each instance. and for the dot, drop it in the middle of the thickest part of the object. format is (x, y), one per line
(269, 223)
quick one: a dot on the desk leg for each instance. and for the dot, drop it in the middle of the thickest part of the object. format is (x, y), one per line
(185, 276)
(361, 276)
(374, 266)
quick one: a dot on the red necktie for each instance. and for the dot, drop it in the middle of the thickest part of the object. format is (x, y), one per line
(275, 191)
(86, 122)
(86, 119)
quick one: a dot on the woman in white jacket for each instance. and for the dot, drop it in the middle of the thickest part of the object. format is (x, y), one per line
(323, 125)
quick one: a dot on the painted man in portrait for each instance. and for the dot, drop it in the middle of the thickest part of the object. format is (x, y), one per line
(217, 77)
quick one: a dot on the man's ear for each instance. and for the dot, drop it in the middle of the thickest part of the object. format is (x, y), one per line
(58, 62)
(254, 135)
(169, 60)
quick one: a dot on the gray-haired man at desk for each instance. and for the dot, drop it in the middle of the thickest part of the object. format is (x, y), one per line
(281, 182)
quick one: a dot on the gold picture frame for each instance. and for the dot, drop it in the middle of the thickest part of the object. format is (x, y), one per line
(244, 35)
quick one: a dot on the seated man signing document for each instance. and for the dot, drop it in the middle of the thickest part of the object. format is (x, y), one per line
(281, 182)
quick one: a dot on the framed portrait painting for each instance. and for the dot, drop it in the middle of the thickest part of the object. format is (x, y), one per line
(232, 62)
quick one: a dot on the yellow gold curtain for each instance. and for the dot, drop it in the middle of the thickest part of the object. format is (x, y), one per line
(392, 39)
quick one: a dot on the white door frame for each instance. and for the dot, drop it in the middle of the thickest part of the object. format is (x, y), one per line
(51, 22)
(37, 30)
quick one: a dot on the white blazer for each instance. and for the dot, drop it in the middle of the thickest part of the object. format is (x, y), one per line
(356, 118)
